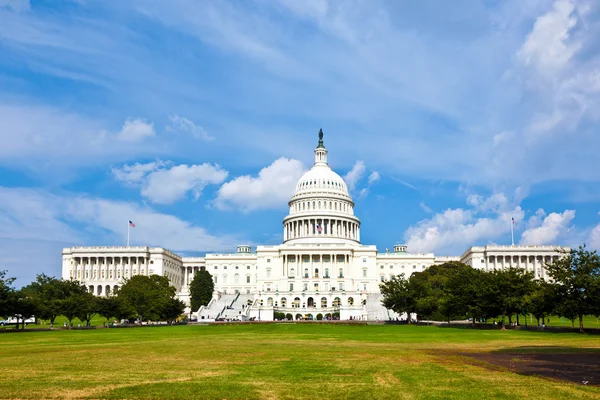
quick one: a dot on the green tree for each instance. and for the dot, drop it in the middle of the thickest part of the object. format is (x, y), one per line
(541, 301)
(172, 310)
(88, 308)
(112, 307)
(465, 292)
(6, 295)
(48, 293)
(509, 289)
(146, 295)
(23, 305)
(577, 275)
(397, 295)
(201, 289)
(74, 297)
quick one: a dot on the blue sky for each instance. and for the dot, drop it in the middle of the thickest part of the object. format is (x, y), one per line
(195, 120)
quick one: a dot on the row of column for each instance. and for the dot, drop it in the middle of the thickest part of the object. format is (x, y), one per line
(299, 265)
(501, 262)
(327, 227)
(78, 270)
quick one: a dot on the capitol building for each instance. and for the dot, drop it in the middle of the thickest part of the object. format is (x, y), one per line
(320, 270)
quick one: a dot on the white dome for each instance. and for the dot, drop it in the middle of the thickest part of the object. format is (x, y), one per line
(321, 178)
(321, 209)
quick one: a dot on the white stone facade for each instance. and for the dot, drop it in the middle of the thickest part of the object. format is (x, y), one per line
(320, 268)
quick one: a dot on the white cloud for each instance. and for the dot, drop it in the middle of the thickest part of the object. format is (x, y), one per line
(552, 228)
(185, 125)
(272, 188)
(548, 47)
(355, 175)
(168, 185)
(134, 174)
(135, 130)
(374, 177)
(425, 208)
(454, 230)
(162, 183)
(593, 241)
(40, 224)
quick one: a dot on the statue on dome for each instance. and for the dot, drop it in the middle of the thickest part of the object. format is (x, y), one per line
(320, 139)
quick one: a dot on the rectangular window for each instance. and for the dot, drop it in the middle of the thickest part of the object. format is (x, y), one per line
(248, 279)
(291, 287)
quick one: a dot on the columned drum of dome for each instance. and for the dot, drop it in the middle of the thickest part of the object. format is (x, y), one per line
(321, 209)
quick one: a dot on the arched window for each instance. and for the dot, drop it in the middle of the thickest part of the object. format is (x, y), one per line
(319, 205)
(335, 206)
(341, 271)
(323, 302)
(224, 279)
(336, 302)
(268, 272)
(326, 272)
(270, 302)
(296, 302)
(316, 272)
(283, 302)
(350, 301)
(306, 272)
(364, 272)
(292, 273)
(236, 278)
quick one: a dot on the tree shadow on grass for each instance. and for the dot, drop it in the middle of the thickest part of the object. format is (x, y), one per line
(571, 364)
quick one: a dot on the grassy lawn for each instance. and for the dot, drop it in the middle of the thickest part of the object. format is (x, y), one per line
(279, 361)
(589, 321)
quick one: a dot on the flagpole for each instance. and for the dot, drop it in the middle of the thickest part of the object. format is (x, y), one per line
(127, 233)
(512, 231)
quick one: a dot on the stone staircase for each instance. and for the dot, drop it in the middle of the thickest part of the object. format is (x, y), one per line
(216, 307)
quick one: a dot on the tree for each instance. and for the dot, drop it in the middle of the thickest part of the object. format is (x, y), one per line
(201, 289)
(88, 307)
(48, 293)
(465, 292)
(112, 307)
(146, 295)
(577, 275)
(396, 295)
(74, 298)
(6, 295)
(23, 305)
(172, 310)
(541, 300)
(510, 287)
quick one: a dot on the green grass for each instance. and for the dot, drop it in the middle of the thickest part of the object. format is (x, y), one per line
(275, 361)
(589, 321)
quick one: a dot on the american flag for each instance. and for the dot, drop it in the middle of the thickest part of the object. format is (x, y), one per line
(513, 220)
(319, 229)
(131, 224)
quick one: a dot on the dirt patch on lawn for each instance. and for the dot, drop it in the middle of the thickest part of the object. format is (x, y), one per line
(582, 368)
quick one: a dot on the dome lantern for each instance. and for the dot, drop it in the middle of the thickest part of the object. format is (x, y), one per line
(320, 151)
